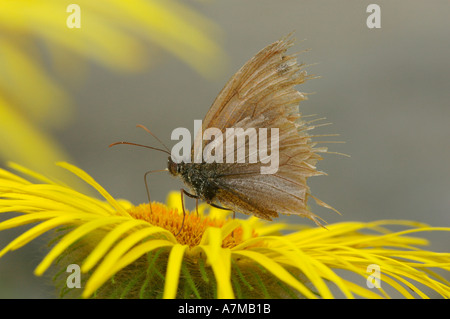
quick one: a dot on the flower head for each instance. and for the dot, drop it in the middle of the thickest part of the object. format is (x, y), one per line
(127, 251)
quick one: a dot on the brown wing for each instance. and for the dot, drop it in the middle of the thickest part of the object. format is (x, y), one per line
(261, 77)
(262, 95)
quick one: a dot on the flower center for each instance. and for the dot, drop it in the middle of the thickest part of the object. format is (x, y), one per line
(189, 232)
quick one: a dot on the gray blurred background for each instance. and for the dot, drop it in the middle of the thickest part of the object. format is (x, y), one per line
(386, 91)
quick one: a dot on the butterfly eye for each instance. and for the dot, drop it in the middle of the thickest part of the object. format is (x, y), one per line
(173, 167)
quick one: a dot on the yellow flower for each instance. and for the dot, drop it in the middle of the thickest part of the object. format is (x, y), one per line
(37, 47)
(127, 251)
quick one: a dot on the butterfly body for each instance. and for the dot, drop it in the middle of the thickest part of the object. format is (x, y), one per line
(209, 182)
(201, 178)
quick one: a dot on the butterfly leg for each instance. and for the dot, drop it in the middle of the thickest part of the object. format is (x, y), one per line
(219, 207)
(196, 199)
(182, 191)
(146, 186)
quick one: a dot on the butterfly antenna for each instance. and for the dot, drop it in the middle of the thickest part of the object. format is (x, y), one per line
(140, 145)
(148, 131)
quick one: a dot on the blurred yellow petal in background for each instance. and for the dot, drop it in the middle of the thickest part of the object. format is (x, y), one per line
(37, 48)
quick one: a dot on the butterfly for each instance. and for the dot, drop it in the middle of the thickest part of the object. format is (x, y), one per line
(260, 95)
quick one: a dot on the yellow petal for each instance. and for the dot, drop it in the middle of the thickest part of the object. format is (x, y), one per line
(124, 261)
(36, 231)
(219, 259)
(277, 270)
(107, 242)
(101, 272)
(72, 237)
(173, 271)
(88, 179)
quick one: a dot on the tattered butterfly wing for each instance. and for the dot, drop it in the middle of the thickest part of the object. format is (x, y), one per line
(259, 78)
(262, 95)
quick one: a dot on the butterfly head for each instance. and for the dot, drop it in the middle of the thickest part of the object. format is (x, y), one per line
(174, 168)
